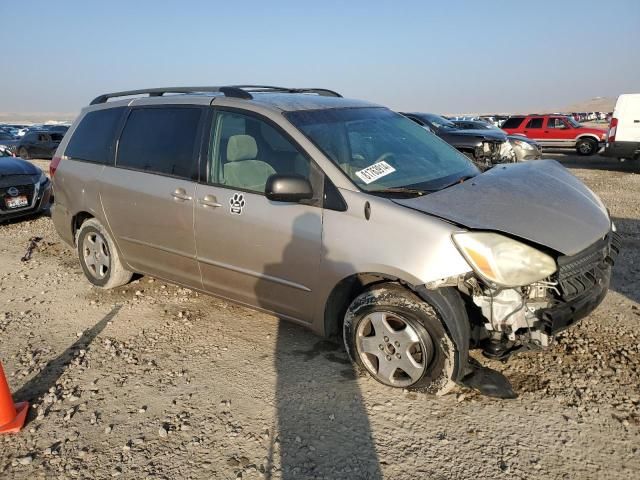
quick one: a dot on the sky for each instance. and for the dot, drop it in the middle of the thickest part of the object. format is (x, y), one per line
(437, 56)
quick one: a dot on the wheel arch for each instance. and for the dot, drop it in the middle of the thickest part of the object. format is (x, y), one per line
(76, 222)
(446, 300)
(587, 135)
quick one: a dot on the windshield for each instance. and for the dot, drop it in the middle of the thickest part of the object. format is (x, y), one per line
(573, 123)
(438, 122)
(380, 150)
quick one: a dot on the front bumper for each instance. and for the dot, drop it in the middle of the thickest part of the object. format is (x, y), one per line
(40, 202)
(583, 282)
(564, 314)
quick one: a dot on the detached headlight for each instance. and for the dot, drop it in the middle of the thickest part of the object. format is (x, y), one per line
(523, 145)
(503, 261)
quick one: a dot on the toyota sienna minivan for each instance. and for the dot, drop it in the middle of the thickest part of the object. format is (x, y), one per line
(336, 214)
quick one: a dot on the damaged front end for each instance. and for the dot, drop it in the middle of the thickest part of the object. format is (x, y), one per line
(507, 320)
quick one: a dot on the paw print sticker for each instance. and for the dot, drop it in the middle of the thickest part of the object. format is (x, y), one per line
(237, 204)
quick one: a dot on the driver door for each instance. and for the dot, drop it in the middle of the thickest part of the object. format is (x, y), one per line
(250, 249)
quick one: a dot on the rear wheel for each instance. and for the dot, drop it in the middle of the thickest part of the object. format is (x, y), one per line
(24, 153)
(586, 146)
(99, 257)
(399, 339)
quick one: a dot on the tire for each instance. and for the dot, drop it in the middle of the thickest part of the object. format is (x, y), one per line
(99, 257)
(411, 348)
(24, 153)
(586, 146)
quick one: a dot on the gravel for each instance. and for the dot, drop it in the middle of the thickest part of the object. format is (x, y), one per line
(154, 380)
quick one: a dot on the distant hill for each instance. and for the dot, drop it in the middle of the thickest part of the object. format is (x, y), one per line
(597, 104)
(36, 117)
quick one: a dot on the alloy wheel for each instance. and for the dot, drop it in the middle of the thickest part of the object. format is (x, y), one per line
(96, 255)
(391, 349)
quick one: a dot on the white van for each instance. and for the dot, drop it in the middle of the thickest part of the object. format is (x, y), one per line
(624, 129)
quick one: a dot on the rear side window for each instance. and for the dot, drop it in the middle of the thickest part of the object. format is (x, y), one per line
(161, 140)
(534, 123)
(92, 140)
(513, 122)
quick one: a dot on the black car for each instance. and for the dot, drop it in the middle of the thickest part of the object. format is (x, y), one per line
(484, 146)
(525, 148)
(57, 128)
(5, 136)
(37, 144)
(24, 188)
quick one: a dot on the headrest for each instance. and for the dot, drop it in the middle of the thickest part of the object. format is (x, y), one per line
(241, 147)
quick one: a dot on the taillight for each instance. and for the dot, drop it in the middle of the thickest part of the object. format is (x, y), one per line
(612, 130)
(55, 161)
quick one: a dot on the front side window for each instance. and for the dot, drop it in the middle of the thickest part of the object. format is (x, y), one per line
(573, 122)
(93, 139)
(161, 140)
(245, 151)
(556, 123)
(534, 123)
(381, 150)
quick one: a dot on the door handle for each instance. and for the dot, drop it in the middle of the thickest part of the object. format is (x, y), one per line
(209, 201)
(181, 194)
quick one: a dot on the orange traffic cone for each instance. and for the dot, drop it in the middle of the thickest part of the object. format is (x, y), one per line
(12, 416)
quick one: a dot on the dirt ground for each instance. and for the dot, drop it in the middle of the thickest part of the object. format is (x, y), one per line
(152, 380)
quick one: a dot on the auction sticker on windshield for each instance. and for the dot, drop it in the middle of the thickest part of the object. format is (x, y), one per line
(374, 172)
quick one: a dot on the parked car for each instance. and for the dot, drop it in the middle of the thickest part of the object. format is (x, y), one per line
(339, 215)
(5, 136)
(37, 144)
(56, 128)
(524, 148)
(624, 129)
(485, 147)
(557, 131)
(24, 188)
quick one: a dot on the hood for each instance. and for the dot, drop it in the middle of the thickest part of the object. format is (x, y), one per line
(484, 133)
(17, 166)
(524, 139)
(597, 131)
(537, 201)
(10, 143)
(470, 138)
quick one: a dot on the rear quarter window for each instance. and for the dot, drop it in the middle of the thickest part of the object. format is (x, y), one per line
(94, 137)
(513, 122)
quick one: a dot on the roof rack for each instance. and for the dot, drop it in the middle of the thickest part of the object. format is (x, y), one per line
(235, 91)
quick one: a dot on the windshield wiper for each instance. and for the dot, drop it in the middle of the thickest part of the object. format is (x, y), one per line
(462, 179)
(412, 192)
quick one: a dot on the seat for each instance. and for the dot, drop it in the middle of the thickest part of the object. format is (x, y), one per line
(243, 169)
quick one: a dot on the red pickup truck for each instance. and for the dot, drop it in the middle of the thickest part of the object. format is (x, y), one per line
(557, 131)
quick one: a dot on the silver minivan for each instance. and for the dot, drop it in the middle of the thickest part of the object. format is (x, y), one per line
(336, 214)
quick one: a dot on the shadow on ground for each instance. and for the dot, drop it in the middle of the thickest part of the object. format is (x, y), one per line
(571, 159)
(49, 375)
(626, 273)
(323, 424)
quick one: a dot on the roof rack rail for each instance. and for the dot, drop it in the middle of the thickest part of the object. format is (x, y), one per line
(324, 92)
(236, 91)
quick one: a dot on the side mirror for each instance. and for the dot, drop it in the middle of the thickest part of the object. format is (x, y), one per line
(288, 188)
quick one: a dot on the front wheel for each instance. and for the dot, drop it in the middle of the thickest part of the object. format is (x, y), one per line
(24, 153)
(99, 257)
(399, 339)
(586, 146)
